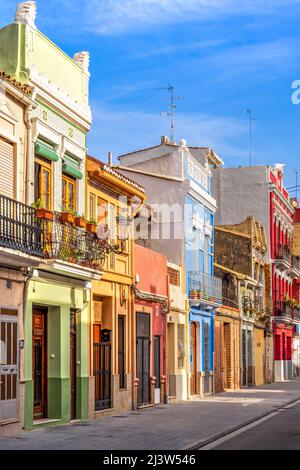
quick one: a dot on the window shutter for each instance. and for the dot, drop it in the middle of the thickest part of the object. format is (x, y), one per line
(7, 168)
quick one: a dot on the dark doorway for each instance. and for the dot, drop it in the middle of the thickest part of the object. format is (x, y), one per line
(143, 357)
(39, 362)
(73, 361)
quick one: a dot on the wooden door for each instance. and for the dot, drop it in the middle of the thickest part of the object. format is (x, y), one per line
(39, 363)
(206, 359)
(143, 358)
(193, 362)
(73, 361)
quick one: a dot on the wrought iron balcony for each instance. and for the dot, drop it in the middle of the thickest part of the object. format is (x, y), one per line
(283, 257)
(295, 266)
(296, 314)
(204, 289)
(73, 244)
(283, 310)
(18, 227)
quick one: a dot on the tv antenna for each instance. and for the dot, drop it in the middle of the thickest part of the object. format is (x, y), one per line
(251, 119)
(172, 106)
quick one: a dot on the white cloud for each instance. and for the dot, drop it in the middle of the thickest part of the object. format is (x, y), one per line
(118, 16)
(122, 131)
(110, 17)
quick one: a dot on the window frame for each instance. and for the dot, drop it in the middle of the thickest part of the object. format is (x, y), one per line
(69, 181)
(44, 166)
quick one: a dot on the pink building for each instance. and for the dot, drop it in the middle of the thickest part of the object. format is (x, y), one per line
(151, 308)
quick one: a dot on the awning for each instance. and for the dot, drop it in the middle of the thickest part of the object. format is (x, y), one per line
(46, 152)
(71, 170)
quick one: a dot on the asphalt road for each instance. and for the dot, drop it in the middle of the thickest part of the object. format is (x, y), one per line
(185, 425)
(279, 432)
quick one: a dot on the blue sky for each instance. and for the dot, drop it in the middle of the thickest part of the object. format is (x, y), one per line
(223, 57)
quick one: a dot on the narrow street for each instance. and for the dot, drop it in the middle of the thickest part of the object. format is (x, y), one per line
(186, 425)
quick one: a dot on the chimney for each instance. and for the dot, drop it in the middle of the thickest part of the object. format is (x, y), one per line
(83, 59)
(26, 13)
(164, 140)
(110, 158)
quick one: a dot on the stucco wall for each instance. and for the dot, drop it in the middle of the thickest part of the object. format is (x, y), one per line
(242, 192)
(152, 269)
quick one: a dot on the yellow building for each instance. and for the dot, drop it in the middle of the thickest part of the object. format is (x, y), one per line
(111, 199)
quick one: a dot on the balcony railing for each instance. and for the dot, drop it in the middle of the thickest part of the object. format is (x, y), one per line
(283, 310)
(284, 253)
(18, 227)
(72, 244)
(21, 230)
(296, 263)
(204, 288)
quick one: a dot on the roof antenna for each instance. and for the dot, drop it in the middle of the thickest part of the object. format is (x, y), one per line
(251, 119)
(172, 107)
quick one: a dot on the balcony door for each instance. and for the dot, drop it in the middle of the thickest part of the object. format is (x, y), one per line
(39, 362)
(42, 182)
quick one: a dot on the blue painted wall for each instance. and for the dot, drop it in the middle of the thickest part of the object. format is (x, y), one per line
(199, 257)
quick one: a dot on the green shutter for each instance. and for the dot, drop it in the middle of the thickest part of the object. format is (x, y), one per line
(46, 152)
(72, 171)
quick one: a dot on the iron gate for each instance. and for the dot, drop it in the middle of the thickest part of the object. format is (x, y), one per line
(102, 374)
(8, 364)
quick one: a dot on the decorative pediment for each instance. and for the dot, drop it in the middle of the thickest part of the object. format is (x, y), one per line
(6, 111)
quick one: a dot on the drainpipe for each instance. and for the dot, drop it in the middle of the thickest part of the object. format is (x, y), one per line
(30, 152)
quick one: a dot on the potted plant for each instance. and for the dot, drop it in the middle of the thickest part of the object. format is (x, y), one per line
(80, 221)
(41, 212)
(193, 294)
(68, 216)
(199, 294)
(91, 226)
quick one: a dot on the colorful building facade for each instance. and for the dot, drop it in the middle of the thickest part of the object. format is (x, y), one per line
(177, 182)
(55, 369)
(241, 248)
(20, 251)
(260, 191)
(111, 196)
(177, 335)
(151, 307)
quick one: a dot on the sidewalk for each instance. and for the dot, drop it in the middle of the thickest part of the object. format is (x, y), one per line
(168, 427)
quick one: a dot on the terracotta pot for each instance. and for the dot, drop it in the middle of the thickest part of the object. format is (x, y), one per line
(67, 218)
(92, 228)
(80, 222)
(44, 214)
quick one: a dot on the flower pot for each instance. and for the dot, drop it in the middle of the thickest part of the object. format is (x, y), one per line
(44, 214)
(80, 222)
(92, 228)
(67, 218)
